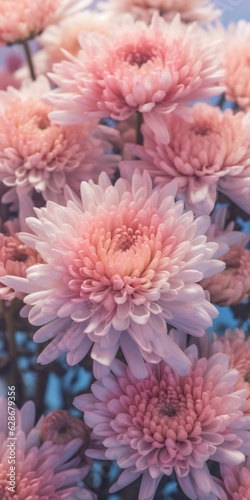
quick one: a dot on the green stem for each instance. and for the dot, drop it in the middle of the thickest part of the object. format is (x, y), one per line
(29, 58)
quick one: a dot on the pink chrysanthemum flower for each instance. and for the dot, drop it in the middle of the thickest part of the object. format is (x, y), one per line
(60, 427)
(189, 10)
(136, 68)
(118, 265)
(37, 153)
(235, 344)
(234, 47)
(43, 471)
(15, 259)
(232, 285)
(25, 19)
(168, 423)
(199, 155)
(236, 481)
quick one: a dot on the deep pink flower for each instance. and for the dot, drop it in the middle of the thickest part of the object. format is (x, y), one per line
(135, 68)
(168, 423)
(199, 155)
(36, 153)
(189, 10)
(25, 19)
(118, 265)
(236, 481)
(43, 471)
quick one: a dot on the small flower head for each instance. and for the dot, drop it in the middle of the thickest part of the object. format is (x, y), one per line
(60, 427)
(119, 263)
(167, 422)
(136, 68)
(38, 154)
(15, 259)
(42, 470)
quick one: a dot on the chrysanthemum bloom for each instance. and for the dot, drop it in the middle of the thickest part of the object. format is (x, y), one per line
(234, 48)
(189, 10)
(118, 265)
(236, 345)
(37, 153)
(236, 481)
(25, 19)
(168, 423)
(199, 154)
(60, 427)
(43, 471)
(15, 259)
(136, 68)
(232, 285)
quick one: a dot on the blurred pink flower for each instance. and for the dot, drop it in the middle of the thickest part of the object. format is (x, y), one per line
(42, 470)
(168, 423)
(15, 259)
(236, 481)
(118, 265)
(232, 285)
(135, 68)
(60, 427)
(199, 155)
(36, 153)
(236, 345)
(189, 10)
(234, 48)
(25, 19)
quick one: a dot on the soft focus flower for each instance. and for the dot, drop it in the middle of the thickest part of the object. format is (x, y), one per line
(26, 19)
(136, 68)
(60, 427)
(118, 265)
(199, 155)
(236, 345)
(234, 48)
(232, 285)
(37, 153)
(236, 481)
(43, 471)
(168, 423)
(15, 259)
(189, 10)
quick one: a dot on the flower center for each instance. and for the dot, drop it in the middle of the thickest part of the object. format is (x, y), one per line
(137, 55)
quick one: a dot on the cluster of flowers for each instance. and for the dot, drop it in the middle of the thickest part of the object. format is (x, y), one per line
(117, 186)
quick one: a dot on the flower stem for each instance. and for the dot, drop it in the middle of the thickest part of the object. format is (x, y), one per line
(29, 58)
(139, 136)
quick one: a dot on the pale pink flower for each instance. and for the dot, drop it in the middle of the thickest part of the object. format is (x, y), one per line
(37, 153)
(167, 423)
(189, 10)
(236, 481)
(25, 19)
(118, 265)
(43, 471)
(15, 259)
(199, 154)
(234, 55)
(236, 345)
(60, 427)
(135, 68)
